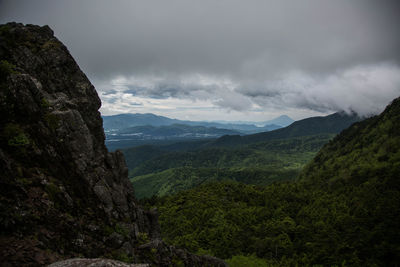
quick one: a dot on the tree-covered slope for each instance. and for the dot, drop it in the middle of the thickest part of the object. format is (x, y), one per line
(368, 149)
(345, 210)
(166, 172)
(149, 159)
(331, 124)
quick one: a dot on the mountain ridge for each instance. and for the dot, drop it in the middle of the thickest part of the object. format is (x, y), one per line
(130, 130)
(283, 120)
(125, 120)
(179, 167)
(330, 124)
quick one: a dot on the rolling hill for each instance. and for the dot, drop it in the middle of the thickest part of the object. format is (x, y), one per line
(131, 130)
(122, 121)
(253, 159)
(157, 171)
(331, 124)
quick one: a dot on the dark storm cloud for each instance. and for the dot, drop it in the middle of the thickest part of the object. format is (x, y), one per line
(294, 53)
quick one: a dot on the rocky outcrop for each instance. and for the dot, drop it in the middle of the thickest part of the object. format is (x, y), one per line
(63, 194)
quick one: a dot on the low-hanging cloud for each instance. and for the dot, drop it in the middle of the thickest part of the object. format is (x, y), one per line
(320, 55)
(364, 89)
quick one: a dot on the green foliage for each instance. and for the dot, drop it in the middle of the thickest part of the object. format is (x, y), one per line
(165, 173)
(122, 230)
(290, 152)
(15, 136)
(286, 222)
(368, 149)
(248, 261)
(19, 140)
(6, 69)
(108, 230)
(4, 28)
(53, 191)
(52, 120)
(120, 256)
(143, 238)
(51, 44)
(118, 228)
(44, 103)
(177, 262)
(177, 179)
(24, 181)
(345, 210)
(123, 257)
(331, 124)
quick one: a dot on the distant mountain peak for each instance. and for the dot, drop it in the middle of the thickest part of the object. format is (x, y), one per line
(282, 120)
(284, 117)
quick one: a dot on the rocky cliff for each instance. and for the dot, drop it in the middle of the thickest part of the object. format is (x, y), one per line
(63, 194)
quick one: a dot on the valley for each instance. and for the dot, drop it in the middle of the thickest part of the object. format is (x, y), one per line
(343, 208)
(279, 198)
(165, 167)
(262, 163)
(130, 130)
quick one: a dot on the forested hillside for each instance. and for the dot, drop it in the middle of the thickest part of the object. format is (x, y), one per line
(331, 124)
(368, 149)
(258, 159)
(160, 172)
(345, 210)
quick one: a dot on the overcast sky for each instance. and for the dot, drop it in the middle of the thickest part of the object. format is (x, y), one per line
(231, 60)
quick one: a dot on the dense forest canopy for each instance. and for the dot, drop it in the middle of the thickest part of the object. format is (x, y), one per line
(344, 210)
(160, 172)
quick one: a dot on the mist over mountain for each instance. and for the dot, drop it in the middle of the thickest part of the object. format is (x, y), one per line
(128, 130)
(122, 121)
(282, 120)
(247, 59)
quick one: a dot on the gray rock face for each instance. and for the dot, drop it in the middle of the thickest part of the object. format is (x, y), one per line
(62, 192)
